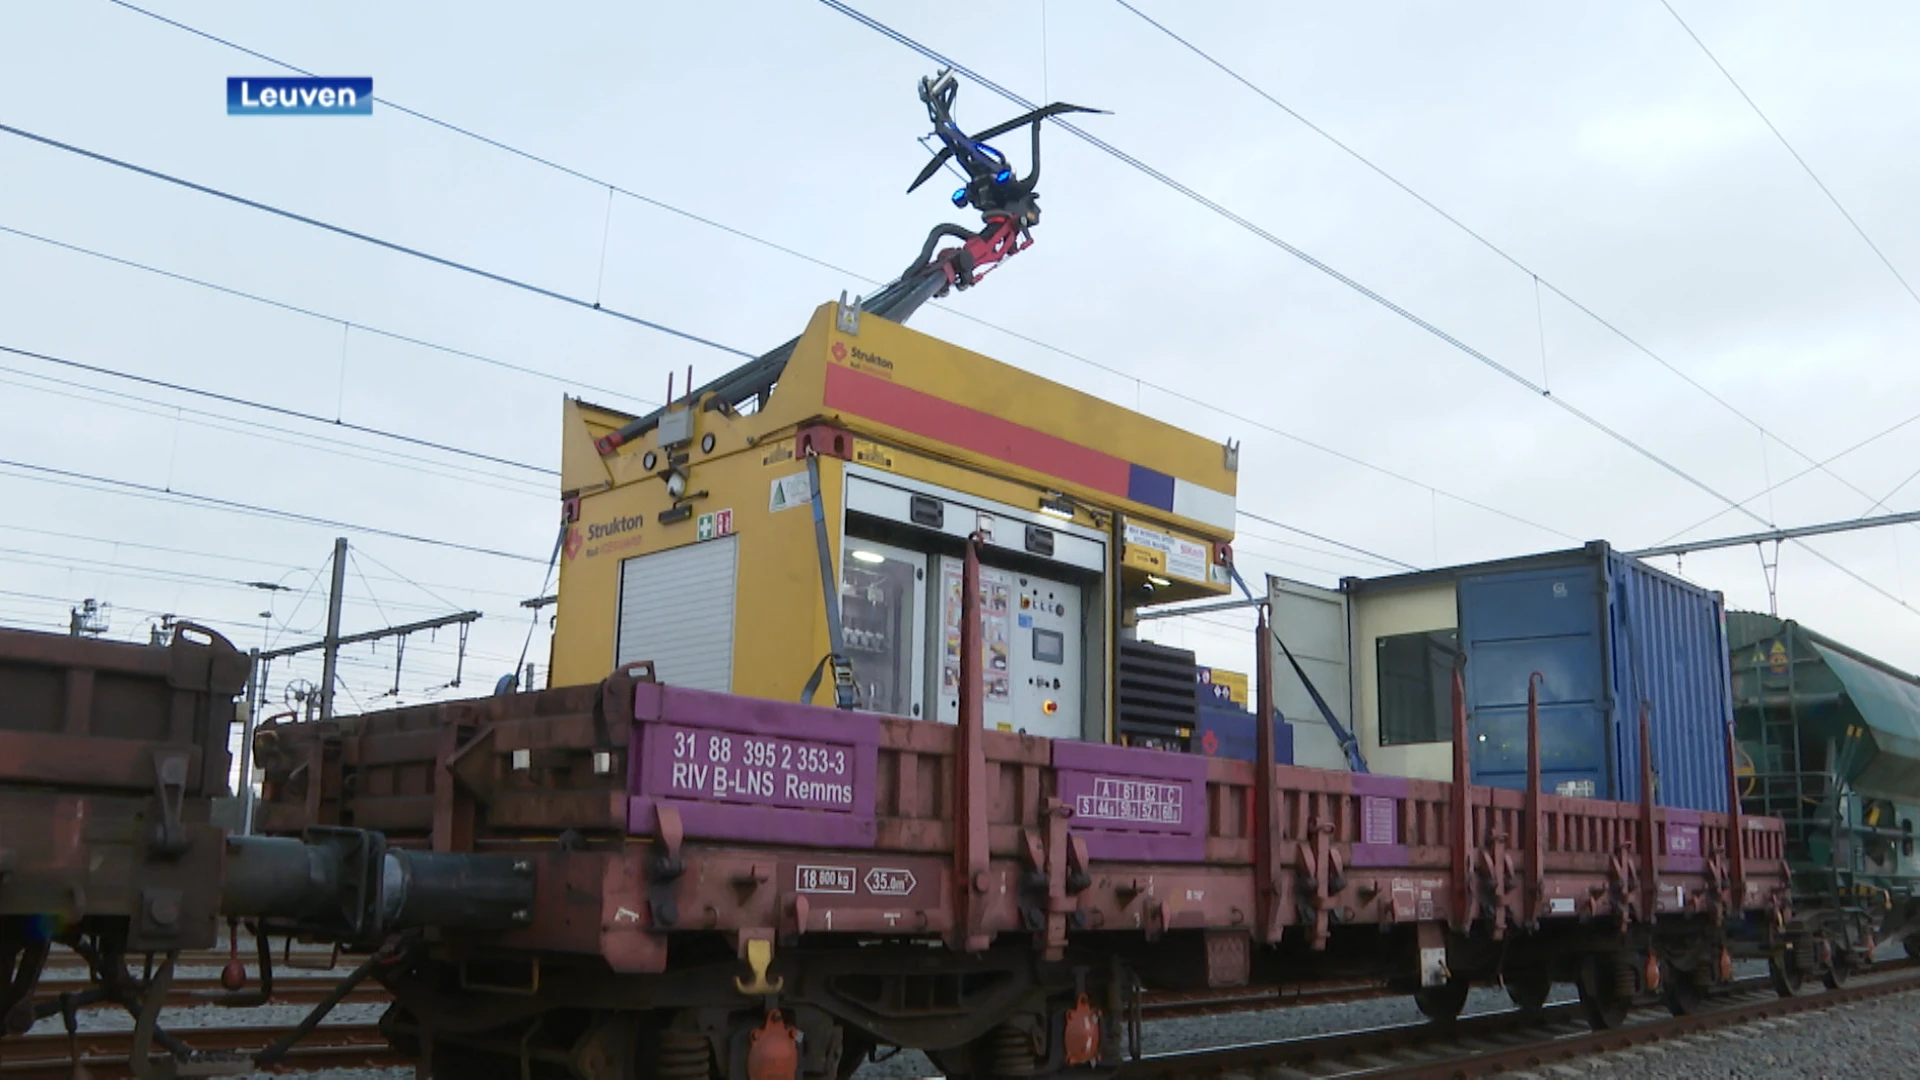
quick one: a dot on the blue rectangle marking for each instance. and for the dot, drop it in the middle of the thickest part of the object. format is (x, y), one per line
(1150, 487)
(277, 96)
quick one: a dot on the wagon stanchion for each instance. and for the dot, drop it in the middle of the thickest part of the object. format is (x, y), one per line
(1536, 891)
(1462, 831)
(970, 791)
(1649, 855)
(1269, 907)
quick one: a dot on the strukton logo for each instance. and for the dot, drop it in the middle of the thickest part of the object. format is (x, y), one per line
(839, 350)
(614, 527)
(574, 541)
(875, 359)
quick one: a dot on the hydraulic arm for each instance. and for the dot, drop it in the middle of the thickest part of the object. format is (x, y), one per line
(1009, 209)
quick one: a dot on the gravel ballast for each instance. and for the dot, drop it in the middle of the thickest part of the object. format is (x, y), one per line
(1869, 1041)
(1872, 1040)
(1201, 1032)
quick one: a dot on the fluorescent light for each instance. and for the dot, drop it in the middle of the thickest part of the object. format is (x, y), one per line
(1056, 507)
(1158, 582)
(866, 556)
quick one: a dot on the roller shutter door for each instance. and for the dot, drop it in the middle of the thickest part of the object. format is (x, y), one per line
(676, 609)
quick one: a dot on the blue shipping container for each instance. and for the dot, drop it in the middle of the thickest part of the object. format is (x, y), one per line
(1606, 633)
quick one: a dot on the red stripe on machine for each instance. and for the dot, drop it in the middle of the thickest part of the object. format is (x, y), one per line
(970, 429)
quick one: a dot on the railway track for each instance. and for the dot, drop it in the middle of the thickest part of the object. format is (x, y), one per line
(1173, 1005)
(1493, 1043)
(307, 958)
(188, 992)
(307, 986)
(1482, 1045)
(105, 1054)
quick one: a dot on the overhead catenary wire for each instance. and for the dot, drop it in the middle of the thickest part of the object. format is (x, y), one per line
(46, 473)
(368, 238)
(1805, 167)
(278, 410)
(1352, 283)
(281, 436)
(242, 294)
(122, 573)
(1592, 421)
(1869, 440)
(1297, 252)
(429, 592)
(1389, 560)
(1539, 282)
(700, 340)
(611, 186)
(227, 558)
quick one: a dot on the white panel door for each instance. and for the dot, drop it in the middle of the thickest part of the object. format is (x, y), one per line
(1313, 623)
(676, 609)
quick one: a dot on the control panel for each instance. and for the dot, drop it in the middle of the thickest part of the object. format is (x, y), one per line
(1032, 649)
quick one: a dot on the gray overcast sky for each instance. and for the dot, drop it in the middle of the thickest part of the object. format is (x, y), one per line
(1595, 143)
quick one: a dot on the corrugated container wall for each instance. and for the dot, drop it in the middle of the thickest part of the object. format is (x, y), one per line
(1607, 633)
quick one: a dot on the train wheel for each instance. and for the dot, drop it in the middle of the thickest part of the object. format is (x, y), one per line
(1606, 988)
(1442, 1004)
(466, 1063)
(1838, 970)
(1683, 991)
(401, 1029)
(1529, 990)
(855, 1048)
(1786, 976)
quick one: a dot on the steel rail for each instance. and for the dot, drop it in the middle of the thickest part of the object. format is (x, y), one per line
(1485, 1044)
(104, 1054)
(191, 993)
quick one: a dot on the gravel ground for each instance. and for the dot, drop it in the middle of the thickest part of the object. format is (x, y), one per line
(1874, 1040)
(1168, 1036)
(182, 1022)
(1163, 1036)
(182, 1019)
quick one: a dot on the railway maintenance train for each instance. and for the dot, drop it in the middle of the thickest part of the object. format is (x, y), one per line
(958, 850)
(852, 745)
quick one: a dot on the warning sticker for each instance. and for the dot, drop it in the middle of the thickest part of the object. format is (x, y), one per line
(1152, 540)
(1187, 560)
(1161, 552)
(1413, 898)
(787, 492)
(715, 525)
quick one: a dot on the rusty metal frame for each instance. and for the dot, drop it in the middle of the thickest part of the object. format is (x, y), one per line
(1462, 832)
(1536, 822)
(1270, 894)
(970, 787)
(1649, 834)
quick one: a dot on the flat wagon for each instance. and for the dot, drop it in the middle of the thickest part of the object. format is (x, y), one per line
(737, 887)
(110, 756)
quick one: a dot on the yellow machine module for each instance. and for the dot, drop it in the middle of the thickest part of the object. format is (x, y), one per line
(698, 538)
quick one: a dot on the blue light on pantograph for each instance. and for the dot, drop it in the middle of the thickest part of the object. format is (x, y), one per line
(960, 197)
(1003, 176)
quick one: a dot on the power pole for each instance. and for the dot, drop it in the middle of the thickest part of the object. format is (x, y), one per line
(254, 672)
(336, 641)
(332, 642)
(1777, 535)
